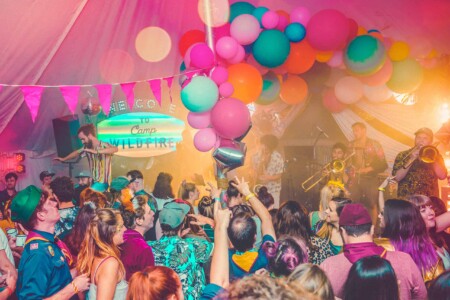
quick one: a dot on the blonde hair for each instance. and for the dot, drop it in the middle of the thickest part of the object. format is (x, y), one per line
(313, 279)
(98, 241)
(326, 194)
(419, 200)
(185, 189)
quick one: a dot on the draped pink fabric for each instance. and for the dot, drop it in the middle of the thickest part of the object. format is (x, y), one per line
(127, 89)
(32, 96)
(70, 94)
(155, 86)
(104, 95)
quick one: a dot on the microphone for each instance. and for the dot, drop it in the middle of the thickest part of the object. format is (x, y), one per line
(323, 132)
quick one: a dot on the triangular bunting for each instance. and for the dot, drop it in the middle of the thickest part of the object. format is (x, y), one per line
(127, 89)
(104, 95)
(155, 86)
(70, 94)
(32, 96)
(169, 81)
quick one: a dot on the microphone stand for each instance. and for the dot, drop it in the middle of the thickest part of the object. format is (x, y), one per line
(315, 144)
(71, 163)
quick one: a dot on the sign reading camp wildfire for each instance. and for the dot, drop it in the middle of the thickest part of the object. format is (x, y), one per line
(141, 134)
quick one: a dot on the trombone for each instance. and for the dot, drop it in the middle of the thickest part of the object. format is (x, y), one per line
(427, 154)
(335, 166)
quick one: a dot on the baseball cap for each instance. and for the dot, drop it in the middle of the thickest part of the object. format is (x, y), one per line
(119, 183)
(426, 131)
(24, 203)
(173, 214)
(354, 214)
(83, 173)
(46, 174)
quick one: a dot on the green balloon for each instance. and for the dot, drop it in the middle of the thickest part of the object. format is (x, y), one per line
(407, 75)
(272, 48)
(362, 48)
(200, 95)
(240, 8)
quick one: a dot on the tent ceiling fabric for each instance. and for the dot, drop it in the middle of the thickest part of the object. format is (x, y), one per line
(53, 42)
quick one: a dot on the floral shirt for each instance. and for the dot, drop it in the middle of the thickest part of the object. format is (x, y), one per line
(420, 179)
(186, 257)
(65, 223)
(274, 167)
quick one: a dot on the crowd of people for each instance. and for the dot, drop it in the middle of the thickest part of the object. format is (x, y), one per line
(80, 241)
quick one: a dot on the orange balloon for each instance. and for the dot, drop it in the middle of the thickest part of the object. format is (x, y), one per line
(301, 58)
(324, 56)
(247, 82)
(361, 30)
(294, 90)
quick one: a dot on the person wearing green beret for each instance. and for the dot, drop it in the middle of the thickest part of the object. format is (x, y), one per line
(44, 271)
(120, 191)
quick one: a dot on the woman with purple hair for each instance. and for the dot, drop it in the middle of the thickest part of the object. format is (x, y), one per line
(284, 256)
(405, 230)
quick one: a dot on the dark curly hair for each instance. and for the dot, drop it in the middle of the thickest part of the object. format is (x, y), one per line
(265, 197)
(63, 188)
(163, 188)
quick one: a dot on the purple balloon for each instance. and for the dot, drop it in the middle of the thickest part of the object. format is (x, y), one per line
(205, 139)
(230, 118)
(199, 120)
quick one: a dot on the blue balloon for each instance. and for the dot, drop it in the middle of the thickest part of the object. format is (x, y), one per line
(240, 8)
(259, 12)
(295, 32)
(200, 95)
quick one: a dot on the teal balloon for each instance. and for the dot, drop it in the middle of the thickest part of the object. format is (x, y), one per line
(407, 75)
(259, 12)
(271, 49)
(200, 95)
(365, 55)
(240, 8)
(295, 32)
(271, 89)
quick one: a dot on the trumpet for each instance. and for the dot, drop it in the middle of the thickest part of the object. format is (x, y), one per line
(427, 154)
(335, 166)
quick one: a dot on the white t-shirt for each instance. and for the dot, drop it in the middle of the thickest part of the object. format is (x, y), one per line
(5, 246)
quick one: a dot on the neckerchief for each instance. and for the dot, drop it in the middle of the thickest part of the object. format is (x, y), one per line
(34, 236)
(354, 252)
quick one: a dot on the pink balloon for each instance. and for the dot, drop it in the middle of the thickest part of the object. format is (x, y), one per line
(199, 120)
(230, 118)
(239, 57)
(252, 61)
(331, 103)
(328, 30)
(336, 60)
(300, 15)
(201, 56)
(348, 90)
(352, 29)
(245, 29)
(219, 75)
(283, 22)
(205, 139)
(221, 31)
(226, 47)
(270, 19)
(226, 89)
(380, 77)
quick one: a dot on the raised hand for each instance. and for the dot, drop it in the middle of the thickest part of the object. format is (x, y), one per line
(213, 191)
(242, 186)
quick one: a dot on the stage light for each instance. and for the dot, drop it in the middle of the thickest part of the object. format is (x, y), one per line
(19, 157)
(20, 169)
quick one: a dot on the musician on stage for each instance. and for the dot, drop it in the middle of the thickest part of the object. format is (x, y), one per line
(98, 153)
(367, 162)
(414, 176)
(268, 166)
(338, 179)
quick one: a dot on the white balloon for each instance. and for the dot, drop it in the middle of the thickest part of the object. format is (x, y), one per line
(348, 90)
(377, 93)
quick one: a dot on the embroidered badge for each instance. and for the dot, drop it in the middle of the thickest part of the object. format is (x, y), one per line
(50, 250)
(34, 246)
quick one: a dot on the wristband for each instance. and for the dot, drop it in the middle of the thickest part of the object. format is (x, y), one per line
(251, 195)
(75, 288)
(10, 291)
(381, 189)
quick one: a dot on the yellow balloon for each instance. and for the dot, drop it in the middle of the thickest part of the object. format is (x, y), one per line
(399, 51)
(324, 56)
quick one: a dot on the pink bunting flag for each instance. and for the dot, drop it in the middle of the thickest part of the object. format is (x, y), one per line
(70, 94)
(32, 96)
(127, 89)
(169, 81)
(104, 95)
(155, 85)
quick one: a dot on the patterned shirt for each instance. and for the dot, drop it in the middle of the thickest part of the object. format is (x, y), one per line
(371, 155)
(65, 223)
(186, 257)
(100, 164)
(420, 179)
(274, 167)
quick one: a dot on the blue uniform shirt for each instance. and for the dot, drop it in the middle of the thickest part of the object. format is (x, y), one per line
(43, 270)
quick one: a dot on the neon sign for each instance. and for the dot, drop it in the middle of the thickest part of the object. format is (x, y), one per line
(141, 134)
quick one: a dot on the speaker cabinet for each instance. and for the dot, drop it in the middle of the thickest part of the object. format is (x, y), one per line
(65, 130)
